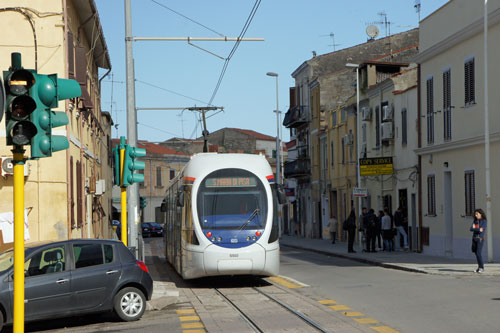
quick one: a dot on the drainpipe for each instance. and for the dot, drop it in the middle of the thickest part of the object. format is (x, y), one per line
(68, 151)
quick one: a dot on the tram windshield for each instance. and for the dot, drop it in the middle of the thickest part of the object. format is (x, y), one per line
(232, 199)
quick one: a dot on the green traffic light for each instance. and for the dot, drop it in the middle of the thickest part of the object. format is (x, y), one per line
(131, 164)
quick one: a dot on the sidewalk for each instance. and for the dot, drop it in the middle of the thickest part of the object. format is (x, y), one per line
(402, 260)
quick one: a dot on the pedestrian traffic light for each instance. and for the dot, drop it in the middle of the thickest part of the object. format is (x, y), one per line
(18, 103)
(47, 91)
(144, 202)
(130, 164)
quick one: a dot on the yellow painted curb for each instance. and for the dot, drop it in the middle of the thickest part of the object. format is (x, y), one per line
(185, 311)
(192, 325)
(194, 331)
(339, 307)
(366, 320)
(384, 329)
(327, 301)
(284, 282)
(353, 314)
(189, 318)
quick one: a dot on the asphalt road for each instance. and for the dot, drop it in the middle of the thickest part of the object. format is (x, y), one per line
(408, 302)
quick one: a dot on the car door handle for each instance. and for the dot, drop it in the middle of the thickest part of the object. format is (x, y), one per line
(111, 272)
(61, 281)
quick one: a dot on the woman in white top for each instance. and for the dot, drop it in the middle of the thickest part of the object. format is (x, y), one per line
(387, 232)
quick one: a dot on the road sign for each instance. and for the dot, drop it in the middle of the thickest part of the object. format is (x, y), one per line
(360, 192)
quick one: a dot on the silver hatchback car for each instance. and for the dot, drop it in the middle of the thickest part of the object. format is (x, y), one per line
(75, 277)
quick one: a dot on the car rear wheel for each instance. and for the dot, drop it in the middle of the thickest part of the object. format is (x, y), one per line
(129, 304)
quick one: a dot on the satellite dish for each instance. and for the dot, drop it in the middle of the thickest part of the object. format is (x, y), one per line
(372, 31)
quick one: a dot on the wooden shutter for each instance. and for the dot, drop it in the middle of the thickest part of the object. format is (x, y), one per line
(79, 195)
(431, 195)
(430, 110)
(404, 127)
(377, 126)
(470, 193)
(72, 194)
(71, 56)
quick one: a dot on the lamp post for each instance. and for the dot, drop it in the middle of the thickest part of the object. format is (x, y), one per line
(278, 150)
(358, 141)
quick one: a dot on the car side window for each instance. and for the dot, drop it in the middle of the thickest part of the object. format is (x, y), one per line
(46, 261)
(108, 254)
(88, 255)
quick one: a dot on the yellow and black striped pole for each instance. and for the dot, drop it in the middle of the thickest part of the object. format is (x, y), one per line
(18, 239)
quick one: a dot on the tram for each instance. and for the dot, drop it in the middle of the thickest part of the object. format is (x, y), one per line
(222, 217)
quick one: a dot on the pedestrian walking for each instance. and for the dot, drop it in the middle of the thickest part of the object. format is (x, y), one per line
(349, 225)
(380, 242)
(478, 228)
(333, 228)
(387, 231)
(400, 230)
(371, 230)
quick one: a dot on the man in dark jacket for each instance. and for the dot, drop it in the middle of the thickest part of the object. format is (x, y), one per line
(371, 230)
(350, 227)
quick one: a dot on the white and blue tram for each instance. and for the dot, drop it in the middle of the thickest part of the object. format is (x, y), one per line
(222, 217)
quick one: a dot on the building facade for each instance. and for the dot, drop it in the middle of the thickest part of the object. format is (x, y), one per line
(67, 195)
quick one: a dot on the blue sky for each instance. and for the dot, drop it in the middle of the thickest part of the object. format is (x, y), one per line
(175, 74)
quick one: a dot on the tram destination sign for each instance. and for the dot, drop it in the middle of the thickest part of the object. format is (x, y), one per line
(376, 166)
(231, 182)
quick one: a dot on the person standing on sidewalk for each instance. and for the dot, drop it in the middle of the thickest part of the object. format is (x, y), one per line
(387, 232)
(333, 228)
(478, 228)
(380, 240)
(398, 222)
(363, 227)
(371, 230)
(350, 226)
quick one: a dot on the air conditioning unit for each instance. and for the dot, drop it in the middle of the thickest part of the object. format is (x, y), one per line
(100, 187)
(387, 133)
(366, 114)
(387, 113)
(8, 167)
(348, 139)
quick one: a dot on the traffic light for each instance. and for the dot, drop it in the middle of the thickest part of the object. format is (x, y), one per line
(130, 164)
(47, 91)
(19, 104)
(144, 202)
(116, 166)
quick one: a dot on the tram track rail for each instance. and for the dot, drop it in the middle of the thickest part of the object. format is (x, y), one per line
(252, 323)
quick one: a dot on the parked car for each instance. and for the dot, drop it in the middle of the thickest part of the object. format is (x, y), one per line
(151, 229)
(75, 277)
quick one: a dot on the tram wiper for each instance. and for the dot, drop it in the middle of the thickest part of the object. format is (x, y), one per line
(250, 218)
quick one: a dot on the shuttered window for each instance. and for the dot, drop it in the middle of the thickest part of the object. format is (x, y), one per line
(332, 159)
(377, 126)
(470, 193)
(172, 174)
(430, 110)
(447, 104)
(343, 150)
(71, 56)
(469, 80)
(431, 195)
(158, 177)
(79, 195)
(72, 193)
(404, 127)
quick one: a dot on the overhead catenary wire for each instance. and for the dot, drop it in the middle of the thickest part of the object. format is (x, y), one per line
(171, 91)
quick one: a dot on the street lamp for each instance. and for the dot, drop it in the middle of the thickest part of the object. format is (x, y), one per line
(278, 150)
(358, 143)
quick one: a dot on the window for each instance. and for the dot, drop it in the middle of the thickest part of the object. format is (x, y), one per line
(343, 115)
(447, 104)
(430, 110)
(143, 184)
(469, 80)
(431, 195)
(470, 193)
(343, 151)
(363, 131)
(46, 261)
(108, 254)
(88, 255)
(158, 177)
(351, 149)
(334, 118)
(332, 159)
(377, 126)
(404, 127)
(172, 173)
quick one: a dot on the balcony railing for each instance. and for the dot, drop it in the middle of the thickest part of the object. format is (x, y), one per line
(298, 168)
(296, 116)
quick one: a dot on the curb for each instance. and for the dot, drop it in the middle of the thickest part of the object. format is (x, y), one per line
(361, 260)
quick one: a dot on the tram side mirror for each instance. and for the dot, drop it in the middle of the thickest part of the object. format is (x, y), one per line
(163, 207)
(180, 199)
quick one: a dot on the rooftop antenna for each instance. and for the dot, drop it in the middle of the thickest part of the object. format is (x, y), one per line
(332, 36)
(417, 9)
(384, 22)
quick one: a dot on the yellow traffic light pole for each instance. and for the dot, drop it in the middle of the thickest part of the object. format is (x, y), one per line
(124, 199)
(18, 239)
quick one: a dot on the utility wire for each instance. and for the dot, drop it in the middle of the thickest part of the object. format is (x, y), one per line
(242, 33)
(172, 92)
(161, 130)
(187, 18)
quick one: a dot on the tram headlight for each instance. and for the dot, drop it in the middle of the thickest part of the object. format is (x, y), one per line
(254, 238)
(213, 239)
(219, 239)
(248, 238)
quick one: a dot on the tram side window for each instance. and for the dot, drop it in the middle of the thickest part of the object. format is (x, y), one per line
(273, 237)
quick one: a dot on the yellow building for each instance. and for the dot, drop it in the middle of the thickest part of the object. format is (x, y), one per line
(67, 195)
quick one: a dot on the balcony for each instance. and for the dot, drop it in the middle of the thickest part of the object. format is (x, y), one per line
(296, 116)
(298, 168)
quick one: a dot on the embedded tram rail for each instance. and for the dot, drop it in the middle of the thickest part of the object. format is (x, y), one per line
(253, 322)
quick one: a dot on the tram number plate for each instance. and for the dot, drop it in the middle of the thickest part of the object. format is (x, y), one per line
(234, 240)
(233, 255)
